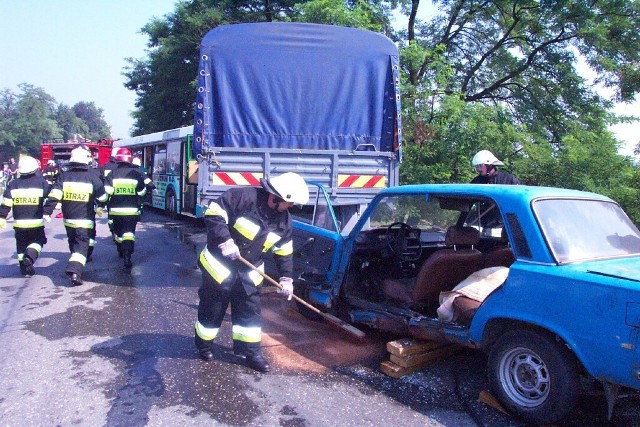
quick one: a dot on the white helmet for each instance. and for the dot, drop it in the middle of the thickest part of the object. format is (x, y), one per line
(51, 162)
(486, 157)
(114, 151)
(136, 161)
(289, 186)
(27, 165)
(80, 155)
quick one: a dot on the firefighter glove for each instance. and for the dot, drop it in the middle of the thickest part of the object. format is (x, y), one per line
(99, 211)
(3, 223)
(47, 218)
(229, 249)
(286, 287)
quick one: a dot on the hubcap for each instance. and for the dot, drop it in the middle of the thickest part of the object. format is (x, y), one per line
(525, 377)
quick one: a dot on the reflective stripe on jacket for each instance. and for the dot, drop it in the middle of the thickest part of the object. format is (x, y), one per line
(25, 196)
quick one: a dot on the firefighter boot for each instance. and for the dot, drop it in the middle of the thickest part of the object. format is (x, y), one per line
(204, 348)
(257, 362)
(26, 267)
(126, 255)
(253, 357)
(75, 278)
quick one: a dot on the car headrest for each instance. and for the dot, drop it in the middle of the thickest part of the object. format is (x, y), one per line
(462, 236)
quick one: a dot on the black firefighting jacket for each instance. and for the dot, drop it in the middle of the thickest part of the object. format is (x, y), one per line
(25, 196)
(125, 186)
(51, 173)
(79, 189)
(243, 215)
(107, 168)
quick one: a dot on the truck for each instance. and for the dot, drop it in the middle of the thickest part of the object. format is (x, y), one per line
(319, 100)
(322, 101)
(59, 150)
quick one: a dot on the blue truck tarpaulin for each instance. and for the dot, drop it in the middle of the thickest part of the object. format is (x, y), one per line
(295, 85)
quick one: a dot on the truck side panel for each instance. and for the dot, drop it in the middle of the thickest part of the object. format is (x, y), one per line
(351, 177)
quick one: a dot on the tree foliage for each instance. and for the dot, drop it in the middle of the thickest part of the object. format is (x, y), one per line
(28, 117)
(501, 75)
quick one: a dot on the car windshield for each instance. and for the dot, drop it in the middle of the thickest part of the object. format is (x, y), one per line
(582, 229)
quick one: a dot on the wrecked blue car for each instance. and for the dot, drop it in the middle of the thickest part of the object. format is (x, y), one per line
(546, 281)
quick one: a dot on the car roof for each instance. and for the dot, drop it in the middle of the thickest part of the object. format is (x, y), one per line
(497, 192)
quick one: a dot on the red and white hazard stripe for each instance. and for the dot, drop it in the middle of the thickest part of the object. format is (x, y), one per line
(235, 178)
(361, 181)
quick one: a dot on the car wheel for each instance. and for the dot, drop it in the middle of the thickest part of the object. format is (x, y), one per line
(534, 376)
(170, 204)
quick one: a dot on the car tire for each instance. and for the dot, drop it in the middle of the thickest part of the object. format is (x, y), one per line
(170, 204)
(534, 376)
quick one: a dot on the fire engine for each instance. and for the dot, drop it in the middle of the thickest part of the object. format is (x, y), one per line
(59, 149)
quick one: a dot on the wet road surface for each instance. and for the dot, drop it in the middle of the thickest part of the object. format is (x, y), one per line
(118, 351)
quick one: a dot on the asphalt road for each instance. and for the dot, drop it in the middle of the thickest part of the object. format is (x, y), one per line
(118, 351)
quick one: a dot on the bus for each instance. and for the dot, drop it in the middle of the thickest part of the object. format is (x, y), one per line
(167, 159)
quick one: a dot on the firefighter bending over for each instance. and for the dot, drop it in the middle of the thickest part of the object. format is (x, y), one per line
(125, 187)
(250, 222)
(78, 190)
(25, 195)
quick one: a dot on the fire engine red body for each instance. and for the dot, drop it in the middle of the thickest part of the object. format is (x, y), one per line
(60, 150)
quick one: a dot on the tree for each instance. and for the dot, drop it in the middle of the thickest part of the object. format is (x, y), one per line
(32, 115)
(34, 120)
(521, 57)
(164, 82)
(489, 74)
(71, 125)
(92, 116)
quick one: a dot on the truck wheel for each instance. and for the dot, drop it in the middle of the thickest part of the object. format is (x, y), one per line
(170, 204)
(533, 376)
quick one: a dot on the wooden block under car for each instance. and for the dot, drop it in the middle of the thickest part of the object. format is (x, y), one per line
(394, 371)
(407, 346)
(422, 359)
(486, 397)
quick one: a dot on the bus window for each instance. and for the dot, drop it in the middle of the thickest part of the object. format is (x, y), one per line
(173, 158)
(160, 159)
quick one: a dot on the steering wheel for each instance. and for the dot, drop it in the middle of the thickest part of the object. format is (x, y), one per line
(398, 237)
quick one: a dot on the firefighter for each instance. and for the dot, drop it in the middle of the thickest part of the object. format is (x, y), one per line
(51, 172)
(245, 221)
(25, 195)
(105, 170)
(78, 190)
(125, 187)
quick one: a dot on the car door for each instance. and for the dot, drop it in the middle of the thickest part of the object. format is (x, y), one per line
(316, 242)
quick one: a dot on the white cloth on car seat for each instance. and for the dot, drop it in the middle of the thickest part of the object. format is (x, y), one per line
(477, 286)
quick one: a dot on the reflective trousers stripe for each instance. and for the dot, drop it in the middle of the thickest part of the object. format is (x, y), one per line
(246, 334)
(205, 333)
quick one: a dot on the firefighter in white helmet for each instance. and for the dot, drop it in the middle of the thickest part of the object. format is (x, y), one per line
(51, 172)
(25, 196)
(485, 164)
(78, 190)
(247, 221)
